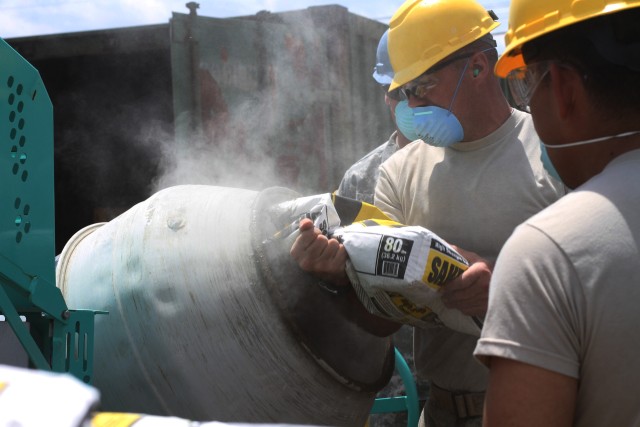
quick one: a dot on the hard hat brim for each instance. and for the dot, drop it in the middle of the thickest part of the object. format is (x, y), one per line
(507, 62)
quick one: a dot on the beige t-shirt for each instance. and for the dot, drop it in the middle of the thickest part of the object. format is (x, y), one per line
(565, 294)
(473, 195)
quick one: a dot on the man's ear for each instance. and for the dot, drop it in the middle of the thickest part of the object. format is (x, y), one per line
(567, 87)
(479, 64)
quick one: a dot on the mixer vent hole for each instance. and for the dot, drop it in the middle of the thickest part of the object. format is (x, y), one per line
(85, 353)
(73, 346)
(15, 113)
(19, 160)
(22, 219)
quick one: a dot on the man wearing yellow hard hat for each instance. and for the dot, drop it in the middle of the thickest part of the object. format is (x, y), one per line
(561, 336)
(472, 177)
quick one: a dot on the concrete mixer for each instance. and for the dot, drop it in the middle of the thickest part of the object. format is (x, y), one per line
(209, 319)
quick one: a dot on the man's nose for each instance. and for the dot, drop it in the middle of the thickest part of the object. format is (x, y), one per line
(414, 101)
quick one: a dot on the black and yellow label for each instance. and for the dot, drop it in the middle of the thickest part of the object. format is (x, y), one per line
(393, 256)
(443, 265)
(407, 307)
(351, 210)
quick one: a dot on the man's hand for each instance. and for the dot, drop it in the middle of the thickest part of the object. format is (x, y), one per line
(327, 259)
(320, 256)
(469, 292)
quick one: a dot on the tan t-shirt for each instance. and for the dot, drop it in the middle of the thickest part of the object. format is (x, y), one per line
(473, 195)
(565, 294)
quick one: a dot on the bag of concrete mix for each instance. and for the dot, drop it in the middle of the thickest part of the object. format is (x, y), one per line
(318, 208)
(397, 270)
(327, 211)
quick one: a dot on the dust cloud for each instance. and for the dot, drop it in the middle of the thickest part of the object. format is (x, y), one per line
(291, 116)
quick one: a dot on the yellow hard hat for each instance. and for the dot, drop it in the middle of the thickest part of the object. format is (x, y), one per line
(529, 19)
(423, 32)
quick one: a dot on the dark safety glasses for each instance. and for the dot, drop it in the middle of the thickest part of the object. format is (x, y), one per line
(395, 94)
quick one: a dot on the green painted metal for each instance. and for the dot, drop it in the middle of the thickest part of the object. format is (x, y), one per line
(408, 402)
(54, 337)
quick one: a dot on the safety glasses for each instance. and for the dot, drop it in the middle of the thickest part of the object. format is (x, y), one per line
(395, 94)
(420, 86)
(524, 81)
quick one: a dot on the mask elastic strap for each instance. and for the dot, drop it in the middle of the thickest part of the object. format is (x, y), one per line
(466, 65)
(455, 92)
(589, 141)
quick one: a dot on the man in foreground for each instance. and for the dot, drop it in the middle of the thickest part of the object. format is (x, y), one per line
(473, 177)
(561, 336)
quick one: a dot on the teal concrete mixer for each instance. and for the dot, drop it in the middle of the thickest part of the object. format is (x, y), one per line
(53, 336)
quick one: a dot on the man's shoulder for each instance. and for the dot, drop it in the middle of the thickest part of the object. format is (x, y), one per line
(388, 147)
(585, 209)
(375, 157)
(523, 124)
(409, 152)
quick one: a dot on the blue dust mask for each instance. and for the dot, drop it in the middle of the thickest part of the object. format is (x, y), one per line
(437, 126)
(547, 163)
(404, 120)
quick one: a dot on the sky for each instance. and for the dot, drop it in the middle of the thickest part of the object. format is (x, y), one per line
(21, 18)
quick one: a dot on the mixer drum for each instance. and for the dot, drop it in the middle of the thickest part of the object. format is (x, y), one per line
(210, 318)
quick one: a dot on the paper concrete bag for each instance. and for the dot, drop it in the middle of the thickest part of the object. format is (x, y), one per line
(396, 271)
(318, 208)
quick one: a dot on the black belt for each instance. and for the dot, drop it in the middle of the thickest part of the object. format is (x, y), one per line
(463, 405)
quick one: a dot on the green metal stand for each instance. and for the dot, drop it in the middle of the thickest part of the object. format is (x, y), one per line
(54, 337)
(408, 402)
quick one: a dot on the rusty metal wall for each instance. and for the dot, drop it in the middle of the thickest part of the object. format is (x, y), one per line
(288, 98)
